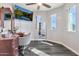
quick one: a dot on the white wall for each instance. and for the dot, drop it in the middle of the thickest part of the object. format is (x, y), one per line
(27, 26)
(71, 39)
(60, 34)
(23, 26)
(55, 35)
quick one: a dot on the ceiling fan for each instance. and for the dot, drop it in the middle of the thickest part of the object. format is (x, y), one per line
(39, 5)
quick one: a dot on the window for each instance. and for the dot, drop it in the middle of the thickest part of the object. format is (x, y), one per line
(72, 19)
(53, 21)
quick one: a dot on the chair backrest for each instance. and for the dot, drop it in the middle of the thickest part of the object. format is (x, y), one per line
(25, 40)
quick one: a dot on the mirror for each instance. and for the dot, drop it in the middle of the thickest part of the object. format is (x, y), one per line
(6, 20)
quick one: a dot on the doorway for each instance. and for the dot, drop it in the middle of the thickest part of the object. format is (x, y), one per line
(41, 27)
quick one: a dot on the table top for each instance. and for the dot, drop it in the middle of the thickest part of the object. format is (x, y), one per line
(9, 38)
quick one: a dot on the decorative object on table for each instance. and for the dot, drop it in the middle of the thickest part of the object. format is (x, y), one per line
(15, 29)
(6, 33)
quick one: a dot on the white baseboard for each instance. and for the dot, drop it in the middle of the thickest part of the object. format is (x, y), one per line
(38, 39)
(55, 41)
(71, 49)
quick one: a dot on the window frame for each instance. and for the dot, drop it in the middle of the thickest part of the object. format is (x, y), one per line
(74, 18)
(52, 26)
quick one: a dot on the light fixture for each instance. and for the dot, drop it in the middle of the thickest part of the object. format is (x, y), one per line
(39, 4)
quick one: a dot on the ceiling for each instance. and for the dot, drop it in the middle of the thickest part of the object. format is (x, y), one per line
(34, 7)
(42, 8)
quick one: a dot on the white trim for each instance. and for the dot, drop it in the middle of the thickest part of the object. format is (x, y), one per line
(55, 41)
(47, 43)
(71, 49)
(38, 39)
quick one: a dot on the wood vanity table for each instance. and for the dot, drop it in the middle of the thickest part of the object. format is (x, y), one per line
(9, 46)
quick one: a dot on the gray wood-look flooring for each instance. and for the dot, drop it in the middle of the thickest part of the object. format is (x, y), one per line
(47, 48)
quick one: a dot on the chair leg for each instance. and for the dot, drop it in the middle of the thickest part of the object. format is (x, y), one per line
(24, 47)
(21, 50)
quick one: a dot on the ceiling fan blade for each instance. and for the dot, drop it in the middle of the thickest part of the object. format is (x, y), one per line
(38, 7)
(30, 3)
(46, 5)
